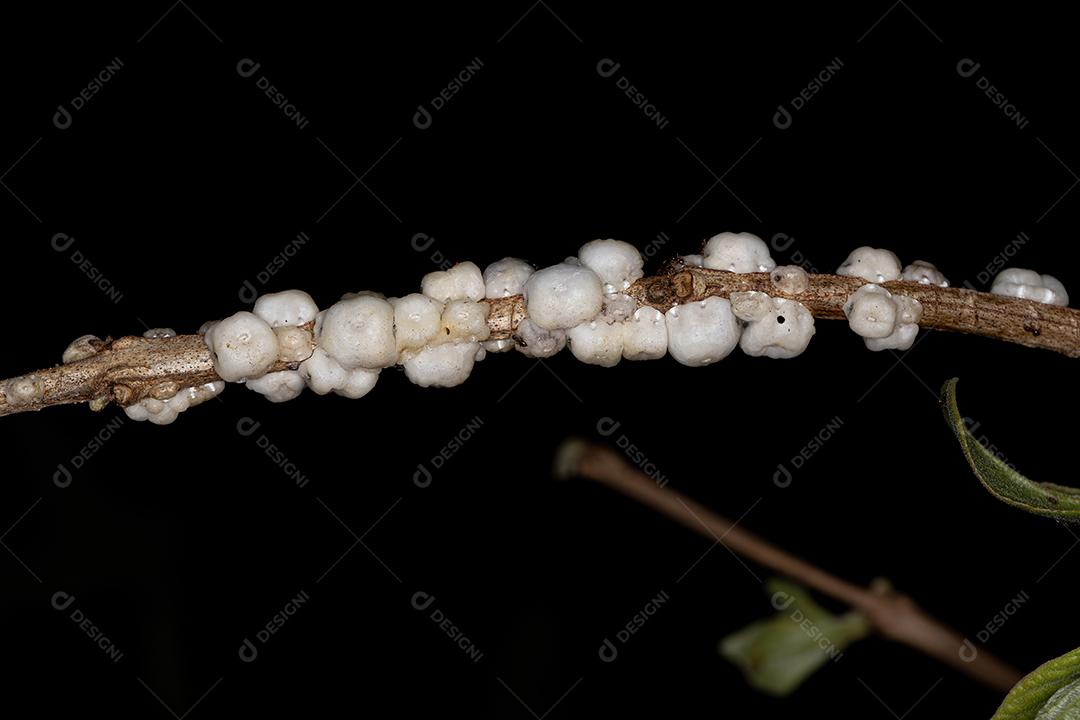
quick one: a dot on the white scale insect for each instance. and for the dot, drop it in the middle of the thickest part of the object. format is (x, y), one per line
(438, 334)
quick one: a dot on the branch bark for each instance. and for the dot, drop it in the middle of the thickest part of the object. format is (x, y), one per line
(1024, 322)
(895, 616)
(132, 368)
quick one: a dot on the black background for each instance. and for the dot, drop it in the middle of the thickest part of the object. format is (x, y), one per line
(180, 180)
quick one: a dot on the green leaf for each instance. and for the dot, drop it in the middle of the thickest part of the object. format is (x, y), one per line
(777, 655)
(1004, 483)
(1062, 705)
(1050, 692)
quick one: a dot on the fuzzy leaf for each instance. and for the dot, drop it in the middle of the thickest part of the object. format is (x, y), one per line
(777, 655)
(1004, 483)
(1050, 692)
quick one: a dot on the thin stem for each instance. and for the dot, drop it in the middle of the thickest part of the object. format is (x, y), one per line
(895, 616)
(132, 368)
(1024, 322)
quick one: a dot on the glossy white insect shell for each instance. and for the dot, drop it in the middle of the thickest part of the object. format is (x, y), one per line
(464, 281)
(597, 342)
(1030, 285)
(645, 335)
(737, 252)
(163, 412)
(24, 390)
(782, 332)
(358, 383)
(201, 393)
(506, 277)
(908, 310)
(703, 332)
(694, 260)
(875, 265)
(871, 312)
(137, 412)
(160, 412)
(278, 386)
(563, 296)
(359, 332)
(1018, 276)
(618, 307)
(294, 343)
(750, 306)
(81, 348)
(1061, 297)
(243, 346)
(538, 342)
(618, 264)
(924, 273)
(445, 365)
(323, 373)
(465, 320)
(790, 279)
(181, 401)
(282, 309)
(498, 346)
(416, 320)
(901, 338)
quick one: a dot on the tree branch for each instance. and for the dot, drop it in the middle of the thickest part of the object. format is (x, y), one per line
(895, 616)
(132, 368)
(1024, 322)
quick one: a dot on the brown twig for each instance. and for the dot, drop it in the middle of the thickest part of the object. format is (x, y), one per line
(1024, 322)
(895, 616)
(131, 368)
